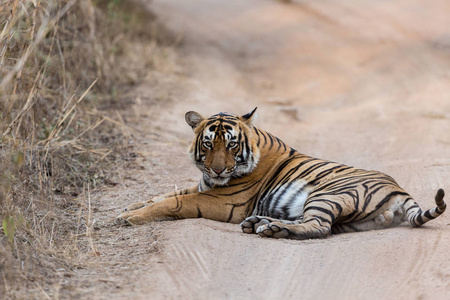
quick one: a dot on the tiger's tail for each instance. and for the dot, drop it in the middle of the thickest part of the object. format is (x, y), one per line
(416, 217)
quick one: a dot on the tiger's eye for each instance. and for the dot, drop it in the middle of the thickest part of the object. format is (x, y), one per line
(232, 144)
(207, 144)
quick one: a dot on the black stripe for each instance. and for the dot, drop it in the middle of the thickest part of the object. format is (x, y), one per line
(329, 202)
(265, 138)
(312, 169)
(292, 152)
(259, 137)
(247, 147)
(211, 122)
(322, 219)
(388, 197)
(419, 219)
(206, 194)
(411, 207)
(324, 210)
(178, 207)
(240, 190)
(342, 182)
(323, 174)
(198, 145)
(268, 185)
(238, 183)
(280, 144)
(234, 205)
(271, 140)
(273, 203)
(345, 168)
(252, 205)
(428, 215)
(230, 122)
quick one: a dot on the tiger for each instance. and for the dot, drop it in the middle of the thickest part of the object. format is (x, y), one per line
(251, 177)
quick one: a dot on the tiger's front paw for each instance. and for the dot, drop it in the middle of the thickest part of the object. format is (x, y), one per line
(251, 224)
(274, 230)
(129, 218)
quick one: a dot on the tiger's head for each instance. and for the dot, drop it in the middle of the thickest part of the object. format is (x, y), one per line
(224, 146)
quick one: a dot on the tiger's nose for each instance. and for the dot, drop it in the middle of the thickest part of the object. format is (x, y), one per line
(218, 171)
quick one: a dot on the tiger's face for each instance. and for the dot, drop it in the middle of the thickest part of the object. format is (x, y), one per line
(223, 146)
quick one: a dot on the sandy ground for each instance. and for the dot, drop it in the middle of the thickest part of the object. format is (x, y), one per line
(365, 83)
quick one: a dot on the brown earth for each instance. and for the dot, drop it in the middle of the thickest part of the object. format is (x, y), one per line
(365, 83)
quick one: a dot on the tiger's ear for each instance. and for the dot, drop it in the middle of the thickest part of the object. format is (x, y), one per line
(193, 118)
(250, 117)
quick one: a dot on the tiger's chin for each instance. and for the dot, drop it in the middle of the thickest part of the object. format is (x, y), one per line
(219, 180)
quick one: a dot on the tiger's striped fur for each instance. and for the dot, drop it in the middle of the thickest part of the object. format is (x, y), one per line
(251, 177)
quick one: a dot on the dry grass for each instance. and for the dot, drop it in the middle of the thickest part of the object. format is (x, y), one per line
(65, 67)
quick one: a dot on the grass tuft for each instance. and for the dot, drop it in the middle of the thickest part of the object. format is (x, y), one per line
(65, 67)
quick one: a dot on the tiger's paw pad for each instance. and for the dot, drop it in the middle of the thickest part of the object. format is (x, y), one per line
(250, 224)
(275, 230)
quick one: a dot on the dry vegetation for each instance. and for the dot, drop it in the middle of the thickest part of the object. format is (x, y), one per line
(65, 67)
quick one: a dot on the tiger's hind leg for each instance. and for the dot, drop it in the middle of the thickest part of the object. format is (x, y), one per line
(400, 211)
(251, 224)
(393, 216)
(318, 220)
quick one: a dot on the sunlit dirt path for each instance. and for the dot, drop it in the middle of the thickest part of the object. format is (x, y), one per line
(365, 83)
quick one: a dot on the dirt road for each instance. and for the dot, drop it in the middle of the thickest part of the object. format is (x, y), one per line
(365, 83)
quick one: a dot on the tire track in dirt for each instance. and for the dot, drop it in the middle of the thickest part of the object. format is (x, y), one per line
(422, 260)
